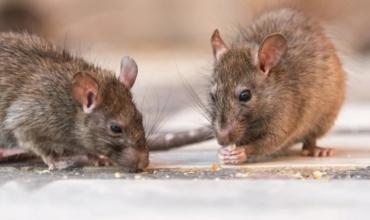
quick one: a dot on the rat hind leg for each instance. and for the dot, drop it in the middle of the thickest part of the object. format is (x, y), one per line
(49, 150)
(10, 151)
(57, 158)
(311, 149)
(46, 150)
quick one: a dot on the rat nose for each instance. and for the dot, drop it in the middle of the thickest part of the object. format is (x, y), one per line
(143, 160)
(135, 159)
(224, 136)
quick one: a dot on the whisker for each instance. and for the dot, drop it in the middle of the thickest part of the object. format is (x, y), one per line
(159, 117)
(197, 103)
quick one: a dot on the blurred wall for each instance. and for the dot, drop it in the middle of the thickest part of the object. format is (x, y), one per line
(171, 23)
(147, 29)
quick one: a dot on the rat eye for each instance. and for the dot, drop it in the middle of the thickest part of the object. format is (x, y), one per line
(245, 96)
(116, 129)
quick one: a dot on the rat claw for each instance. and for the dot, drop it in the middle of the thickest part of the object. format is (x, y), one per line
(107, 163)
(231, 151)
(67, 165)
(331, 152)
(241, 158)
(96, 163)
(51, 167)
(327, 152)
(318, 152)
(323, 153)
(223, 151)
(239, 151)
(305, 152)
(221, 156)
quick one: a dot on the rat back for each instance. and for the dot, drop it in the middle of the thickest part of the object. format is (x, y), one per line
(311, 71)
(35, 89)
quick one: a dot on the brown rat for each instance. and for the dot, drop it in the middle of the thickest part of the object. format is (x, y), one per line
(279, 83)
(57, 105)
(62, 108)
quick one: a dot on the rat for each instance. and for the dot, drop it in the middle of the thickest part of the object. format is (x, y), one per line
(69, 112)
(280, 82)
(59, 106)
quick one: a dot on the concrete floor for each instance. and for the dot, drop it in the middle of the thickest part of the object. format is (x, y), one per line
(113, 200)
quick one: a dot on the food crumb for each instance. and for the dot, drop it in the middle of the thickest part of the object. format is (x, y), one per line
(232, 147)
(137, 177)
(298, 175)
(317, 175)
(43, 171)
(118, 175)
(215, 167)
(241, 175)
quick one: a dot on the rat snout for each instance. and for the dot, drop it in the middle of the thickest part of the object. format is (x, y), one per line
(135, 159)
(143, 160)
(225, 136)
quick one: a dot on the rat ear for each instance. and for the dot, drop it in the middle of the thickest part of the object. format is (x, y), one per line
(128, 72)
(271, 51)
(218, 45)
(85, 90)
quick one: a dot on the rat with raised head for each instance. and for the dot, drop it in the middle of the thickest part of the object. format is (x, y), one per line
(279, 83)
(59, 106)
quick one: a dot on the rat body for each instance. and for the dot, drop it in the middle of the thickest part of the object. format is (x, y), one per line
(279, 83)
(57, 105)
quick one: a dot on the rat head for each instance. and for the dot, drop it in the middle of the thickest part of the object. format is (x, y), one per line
(108, 121)
(245, 92)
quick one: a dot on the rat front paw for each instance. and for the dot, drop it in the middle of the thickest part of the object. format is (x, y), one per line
(318, 152)
(64, 165)
(232, 155)
(99, 161)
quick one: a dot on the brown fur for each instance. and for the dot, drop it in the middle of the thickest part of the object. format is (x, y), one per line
(299, 99)
(39, 113)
